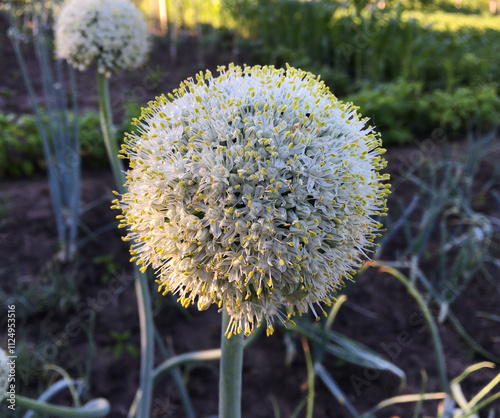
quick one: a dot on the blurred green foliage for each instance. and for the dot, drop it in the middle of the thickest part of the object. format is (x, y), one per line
(411, 67)
(449, 6)
(21, 151)
(457, 21)
(19, 140)
(402, 110)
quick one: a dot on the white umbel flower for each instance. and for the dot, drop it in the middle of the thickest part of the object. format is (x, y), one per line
(113, 33)
(256, 190)
(4, 374)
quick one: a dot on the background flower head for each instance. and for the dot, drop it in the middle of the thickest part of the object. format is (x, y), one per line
(256, 190)
(113, 33)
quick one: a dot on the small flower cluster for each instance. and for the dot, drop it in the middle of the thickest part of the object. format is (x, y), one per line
(113, 33)
(4, 374)
(256, 190)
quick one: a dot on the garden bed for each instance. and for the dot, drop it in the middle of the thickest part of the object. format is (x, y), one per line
(378, 313)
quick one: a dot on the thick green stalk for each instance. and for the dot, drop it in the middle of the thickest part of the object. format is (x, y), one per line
(230, 372)
(108, 130)
(141, 280)
(147, 343)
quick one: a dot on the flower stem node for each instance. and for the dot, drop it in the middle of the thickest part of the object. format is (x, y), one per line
(256, 190)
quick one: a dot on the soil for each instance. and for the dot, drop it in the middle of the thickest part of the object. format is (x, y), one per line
(74, 315)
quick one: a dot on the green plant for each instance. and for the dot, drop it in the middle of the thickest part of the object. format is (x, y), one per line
(282, 141)
(21, 151)
(446, 234)
(465, 107)
(411, 71)
(402, 110)
(324, 340)
(446, 196)
(121, 343)
(394, 108)
(60, 140)
(93, 409)
(53, 289)
(453, 404)
(449, 6)
(126, 24)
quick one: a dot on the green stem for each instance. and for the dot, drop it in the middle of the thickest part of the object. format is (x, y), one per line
(176, 374)
(417, 397)
(53, 390)
(69, 383)
(469, 340)
(95, 408)
(179, 360)
(53, 174)
(438, 347)
(310, 378)
(230, 372)
(141, 280)
(147, 343)
(108, 130)
(482, 404)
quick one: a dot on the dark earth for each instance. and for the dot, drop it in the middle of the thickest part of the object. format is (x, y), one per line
(73, 314)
